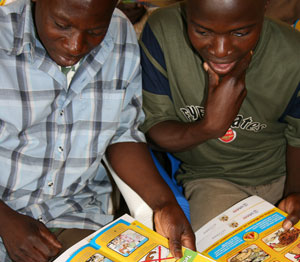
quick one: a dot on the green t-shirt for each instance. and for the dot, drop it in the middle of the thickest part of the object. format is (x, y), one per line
(174, 82)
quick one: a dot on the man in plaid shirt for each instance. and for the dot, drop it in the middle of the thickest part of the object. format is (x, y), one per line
(71, 92)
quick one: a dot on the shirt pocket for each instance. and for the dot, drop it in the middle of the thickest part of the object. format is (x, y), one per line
(98, 114)
(104, 106)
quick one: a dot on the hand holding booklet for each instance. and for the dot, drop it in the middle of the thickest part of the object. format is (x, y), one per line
(249, 231)
(125, 240)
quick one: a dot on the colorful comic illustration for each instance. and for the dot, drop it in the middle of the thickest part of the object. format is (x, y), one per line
(98, 258)
(127, 242)
(250, 236)
(294, 254)
(281, 239)
(159, 253)
(252, 253)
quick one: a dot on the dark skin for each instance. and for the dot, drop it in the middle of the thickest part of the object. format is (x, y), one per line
(291, 201)
(131, 160)
(225, 34)
(68, 35)
(25, 238)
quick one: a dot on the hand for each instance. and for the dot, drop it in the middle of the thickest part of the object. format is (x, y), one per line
(225, 97)
(26, 239)
(290, 205)
(171, 223)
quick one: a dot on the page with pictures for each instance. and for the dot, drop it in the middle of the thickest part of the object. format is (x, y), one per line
(250, 231)
(84, 244)
(126, 240)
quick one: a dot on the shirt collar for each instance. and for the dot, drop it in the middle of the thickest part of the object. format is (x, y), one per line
(19, 29)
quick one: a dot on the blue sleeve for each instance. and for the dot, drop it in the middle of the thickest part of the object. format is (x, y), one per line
(291, 116)
(154, 73)
(293, 108)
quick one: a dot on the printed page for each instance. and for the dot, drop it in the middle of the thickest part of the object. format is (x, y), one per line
(228, 221)
(250, 231)
(188, 255)
(135, 242)
(126, 240)
(85, 242)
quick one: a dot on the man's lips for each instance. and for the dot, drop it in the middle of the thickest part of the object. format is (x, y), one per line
(64, 59)
(221, 68)
(68, 61)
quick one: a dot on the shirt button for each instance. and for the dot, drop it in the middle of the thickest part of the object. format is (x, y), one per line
(50, 184)
(40, 219)
(61, 112)
(60, 149)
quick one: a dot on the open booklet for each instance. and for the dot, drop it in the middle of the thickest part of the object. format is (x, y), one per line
(250, 231)
(125, 240)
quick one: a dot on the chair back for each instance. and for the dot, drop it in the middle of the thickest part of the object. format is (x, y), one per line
(172, 183)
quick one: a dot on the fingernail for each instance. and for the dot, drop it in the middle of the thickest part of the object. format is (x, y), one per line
(251, 52)
(287, 225)
(205, 66)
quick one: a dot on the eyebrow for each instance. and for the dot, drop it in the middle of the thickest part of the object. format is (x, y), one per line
(63, 18)
(99, 28)
(236, 29)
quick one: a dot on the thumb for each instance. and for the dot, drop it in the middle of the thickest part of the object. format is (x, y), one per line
(175, 244)
(50, 238)
(292, 217)
(189, 241)
(213, 78)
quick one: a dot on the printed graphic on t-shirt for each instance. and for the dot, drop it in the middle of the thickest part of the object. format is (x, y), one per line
(229, 136)
(193, 113)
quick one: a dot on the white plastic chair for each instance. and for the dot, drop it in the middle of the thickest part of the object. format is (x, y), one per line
(137, 206)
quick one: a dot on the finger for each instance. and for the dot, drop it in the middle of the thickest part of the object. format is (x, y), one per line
(175, 244)
(290, 221)
(43, 248)
(23, 258)
(50, 246)
(29, 253)
(38, 256)
(159, 228)
(172, 235)
(49, 237)
(281, 205)
(213, 78)
(25, 251)
(188, 240)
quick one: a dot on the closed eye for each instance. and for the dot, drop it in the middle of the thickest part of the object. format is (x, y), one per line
(61, 26)
(240, 34)
(203, 33)
(97, 32)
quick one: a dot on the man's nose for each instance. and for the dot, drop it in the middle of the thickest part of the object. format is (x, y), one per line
(221, 47)
(75, 44)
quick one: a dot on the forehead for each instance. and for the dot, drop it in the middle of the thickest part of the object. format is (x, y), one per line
(222, 10)
(81, 11)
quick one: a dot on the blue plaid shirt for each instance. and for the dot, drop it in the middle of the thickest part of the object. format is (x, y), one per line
(52, 138)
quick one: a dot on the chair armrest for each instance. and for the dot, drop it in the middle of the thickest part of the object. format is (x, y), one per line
(136, 205)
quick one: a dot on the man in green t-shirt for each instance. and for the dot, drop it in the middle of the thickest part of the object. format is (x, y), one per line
(221, 91)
